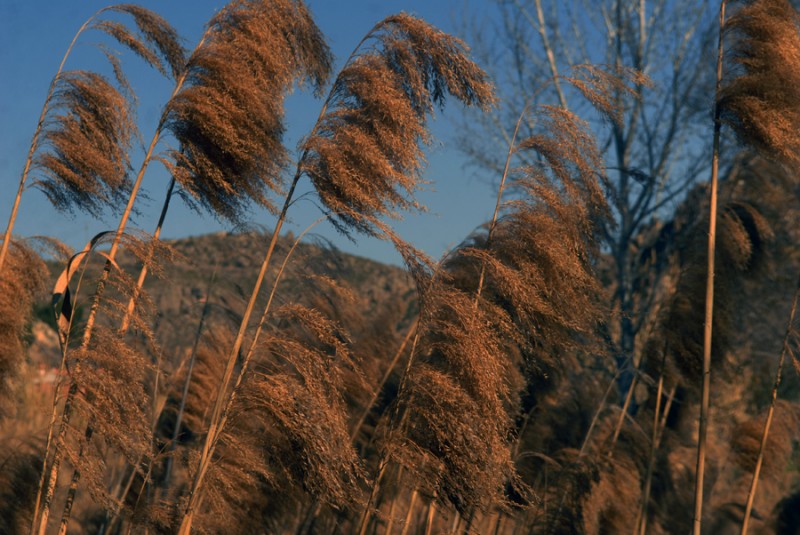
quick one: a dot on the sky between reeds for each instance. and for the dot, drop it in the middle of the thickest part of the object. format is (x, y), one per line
(34, 35)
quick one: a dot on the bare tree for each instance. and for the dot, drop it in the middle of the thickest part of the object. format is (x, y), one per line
(653, 154)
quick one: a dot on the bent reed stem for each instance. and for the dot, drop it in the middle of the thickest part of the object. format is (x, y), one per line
(101, 283)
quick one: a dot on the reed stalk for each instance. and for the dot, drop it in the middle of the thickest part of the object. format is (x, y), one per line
(99, 290)
(751, 493)
(35, 140)
(709, 308)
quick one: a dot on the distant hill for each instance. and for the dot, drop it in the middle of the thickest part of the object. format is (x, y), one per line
(180, 291)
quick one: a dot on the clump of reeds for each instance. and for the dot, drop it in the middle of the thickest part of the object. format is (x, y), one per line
(421, 65)
(81, 143)
(504, 312)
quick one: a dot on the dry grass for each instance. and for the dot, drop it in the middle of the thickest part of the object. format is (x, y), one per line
(228, 118)
(364, 156)
(760, 94)
(499, 422)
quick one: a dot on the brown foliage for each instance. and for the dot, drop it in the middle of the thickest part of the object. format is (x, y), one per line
(21, 279)
(159, 45)
(229, 116)
(364, 156)
(84, 158)
(759, 100)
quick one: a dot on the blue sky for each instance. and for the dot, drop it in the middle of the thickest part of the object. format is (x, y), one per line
(35, 34)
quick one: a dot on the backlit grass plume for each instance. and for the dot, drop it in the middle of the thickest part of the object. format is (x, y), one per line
(286, 439)
(157, 43)
(759, 97)
(229, 116)
(364, 156)
(80, 145)
(86, 142)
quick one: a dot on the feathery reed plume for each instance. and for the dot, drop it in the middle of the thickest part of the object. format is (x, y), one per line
(758, 99)
(194, 392)
(242, 479)
(540, 262)
(20, 283)
(229, 116)
(153, 28)
(456, 408)
(450, 434)
(156, 38)
(602, 87)
(108, 377)
(743, 237)
(568, 175)
(105, 404)
(290, 414)
(592, 493)
(180, 424)
(300, 382)
(86, 161)
(364, 156)
(778, 449)
(113, 399)
(158, 44)
(608, 508)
